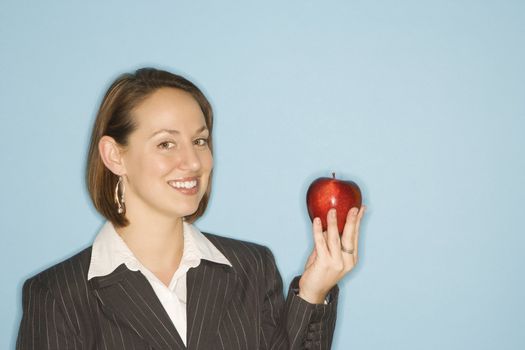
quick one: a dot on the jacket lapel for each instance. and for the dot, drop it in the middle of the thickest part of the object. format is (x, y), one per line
(210, 289)
(129, 297)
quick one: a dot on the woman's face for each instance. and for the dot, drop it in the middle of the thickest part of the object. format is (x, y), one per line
(167, 160)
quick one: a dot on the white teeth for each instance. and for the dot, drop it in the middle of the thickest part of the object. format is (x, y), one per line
(183, 184)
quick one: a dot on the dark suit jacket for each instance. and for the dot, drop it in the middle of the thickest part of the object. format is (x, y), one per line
(230, 308)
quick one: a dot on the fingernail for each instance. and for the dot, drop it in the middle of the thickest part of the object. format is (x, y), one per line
(317, 221)
(354, 211)
(332, 212)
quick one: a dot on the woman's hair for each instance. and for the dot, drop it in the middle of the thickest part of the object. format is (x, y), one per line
(114, 118)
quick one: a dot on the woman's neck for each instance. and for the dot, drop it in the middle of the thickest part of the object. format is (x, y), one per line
(158, 244)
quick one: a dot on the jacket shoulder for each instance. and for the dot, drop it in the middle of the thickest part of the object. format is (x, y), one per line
(70, 273)
(66, 284)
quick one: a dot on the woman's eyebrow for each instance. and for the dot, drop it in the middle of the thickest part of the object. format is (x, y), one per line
(176, 132)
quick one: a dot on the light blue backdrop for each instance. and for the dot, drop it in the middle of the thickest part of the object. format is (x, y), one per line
(420, 102)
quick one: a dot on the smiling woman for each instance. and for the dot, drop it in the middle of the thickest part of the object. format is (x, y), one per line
(166, 162)
(151, 279)
(131, 100)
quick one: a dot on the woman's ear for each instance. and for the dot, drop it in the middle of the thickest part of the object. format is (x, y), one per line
(110, 152)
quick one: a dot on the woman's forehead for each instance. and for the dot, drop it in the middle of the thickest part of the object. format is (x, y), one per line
(170, 109)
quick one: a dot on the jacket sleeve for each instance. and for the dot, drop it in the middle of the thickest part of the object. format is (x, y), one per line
(295, 324)
(43, 324)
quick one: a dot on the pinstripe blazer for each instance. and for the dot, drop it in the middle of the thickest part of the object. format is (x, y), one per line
(230, 308)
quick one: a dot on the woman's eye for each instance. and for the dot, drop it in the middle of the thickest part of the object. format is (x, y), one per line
(166, 145)
(201, 142)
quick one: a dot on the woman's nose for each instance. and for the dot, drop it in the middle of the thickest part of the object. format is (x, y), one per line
(189, 159)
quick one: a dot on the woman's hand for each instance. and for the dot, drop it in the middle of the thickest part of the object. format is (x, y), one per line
(333, 255)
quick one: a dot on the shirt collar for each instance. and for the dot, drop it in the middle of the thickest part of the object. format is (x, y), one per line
(203, 248)
(109, 251)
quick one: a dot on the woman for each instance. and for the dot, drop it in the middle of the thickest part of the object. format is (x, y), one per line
(152, 280)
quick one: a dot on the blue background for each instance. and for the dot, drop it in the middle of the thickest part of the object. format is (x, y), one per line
(420, 102)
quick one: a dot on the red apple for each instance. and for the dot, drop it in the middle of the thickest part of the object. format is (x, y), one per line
(326, 193)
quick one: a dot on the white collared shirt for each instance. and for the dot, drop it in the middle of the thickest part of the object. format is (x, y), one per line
(109, 251)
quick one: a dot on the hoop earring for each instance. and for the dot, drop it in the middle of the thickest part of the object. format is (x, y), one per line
(119, 192)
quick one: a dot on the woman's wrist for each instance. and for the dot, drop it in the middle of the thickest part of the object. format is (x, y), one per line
(312, 298)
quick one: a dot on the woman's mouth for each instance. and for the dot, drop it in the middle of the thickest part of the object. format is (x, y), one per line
(189, 186)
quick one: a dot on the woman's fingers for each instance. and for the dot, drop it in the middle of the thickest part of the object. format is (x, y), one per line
(334, 240)
(356, 236)
(319, 239)
(359, 216)
(350, 237)
(311, 259)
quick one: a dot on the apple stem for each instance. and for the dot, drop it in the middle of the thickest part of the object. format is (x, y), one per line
(333, 175)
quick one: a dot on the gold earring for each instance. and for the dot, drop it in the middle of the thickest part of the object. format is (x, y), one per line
(119, 192)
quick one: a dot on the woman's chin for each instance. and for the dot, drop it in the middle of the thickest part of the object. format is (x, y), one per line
(184, 212)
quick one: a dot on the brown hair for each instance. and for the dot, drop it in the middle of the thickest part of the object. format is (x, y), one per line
(114, 119)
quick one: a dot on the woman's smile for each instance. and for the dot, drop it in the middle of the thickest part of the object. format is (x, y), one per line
(187, 186)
